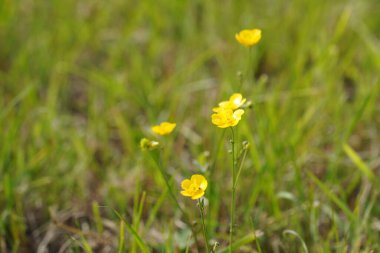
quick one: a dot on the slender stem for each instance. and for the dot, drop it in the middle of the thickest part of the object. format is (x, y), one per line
(256, 240)
(171, 193)
(212, 208)
(215, 155)
(160, 167)
(201, 209)
(233, 190)
(248, 72)
(250, 63)
(241, 164)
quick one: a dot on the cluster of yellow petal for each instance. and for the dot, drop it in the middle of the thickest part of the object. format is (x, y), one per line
(248, 37)
(194, 187)
(227, 113)
(226, 117)
(164, 128)
(235, 101)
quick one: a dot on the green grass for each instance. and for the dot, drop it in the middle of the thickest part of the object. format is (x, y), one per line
(81, 82)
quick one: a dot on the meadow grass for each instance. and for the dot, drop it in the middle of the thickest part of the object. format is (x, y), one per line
(81, 82)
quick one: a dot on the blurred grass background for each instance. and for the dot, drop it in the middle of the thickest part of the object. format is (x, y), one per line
(81, 82)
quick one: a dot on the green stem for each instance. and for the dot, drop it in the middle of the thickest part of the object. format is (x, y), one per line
(171, 193)
(233, 190)
(201, 209)
(160, 167)
(245, 151)
(250, 63)
(215, 155)
(256, 239)
(213, 205)
(248, 73)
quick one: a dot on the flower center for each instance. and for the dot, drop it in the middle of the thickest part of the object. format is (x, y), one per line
(193, 188)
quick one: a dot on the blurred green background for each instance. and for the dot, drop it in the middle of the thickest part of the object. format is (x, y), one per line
(81, 82)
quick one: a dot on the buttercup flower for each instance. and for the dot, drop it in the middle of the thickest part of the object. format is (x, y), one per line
(235, 101)
(226, 117)
(248, 37)
(164, 128)
(194, 187)
(146, 144)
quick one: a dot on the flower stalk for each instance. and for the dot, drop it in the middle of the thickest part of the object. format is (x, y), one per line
(201, 209)
(232, 212)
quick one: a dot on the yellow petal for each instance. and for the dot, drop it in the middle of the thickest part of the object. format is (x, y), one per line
(168, 126)
(236, 100)
(238, 113)
(157, 130)
(203, 185)
(236, 97)
(185, 184)
(217, 109)
(198, 195)
(185, 193)
(216, 119)
(225, 104)
(197, 179)
(164, 128)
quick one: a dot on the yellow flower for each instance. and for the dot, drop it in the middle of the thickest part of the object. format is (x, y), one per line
(194, 187)
(235, 101)
(146, 144)
(164, 128)
(248, 37)
(226, 117)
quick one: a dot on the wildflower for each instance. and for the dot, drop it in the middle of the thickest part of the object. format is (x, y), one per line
(164, 128)
(248, 37)
(194, 187)
(235, 101)
(146, 144)
(226, 117)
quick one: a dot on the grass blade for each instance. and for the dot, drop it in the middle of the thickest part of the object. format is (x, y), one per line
(121, 237)
(237, 244)
(86, 246)
(364, 169)
(144, 248)
(294, 233)
(332, 196)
